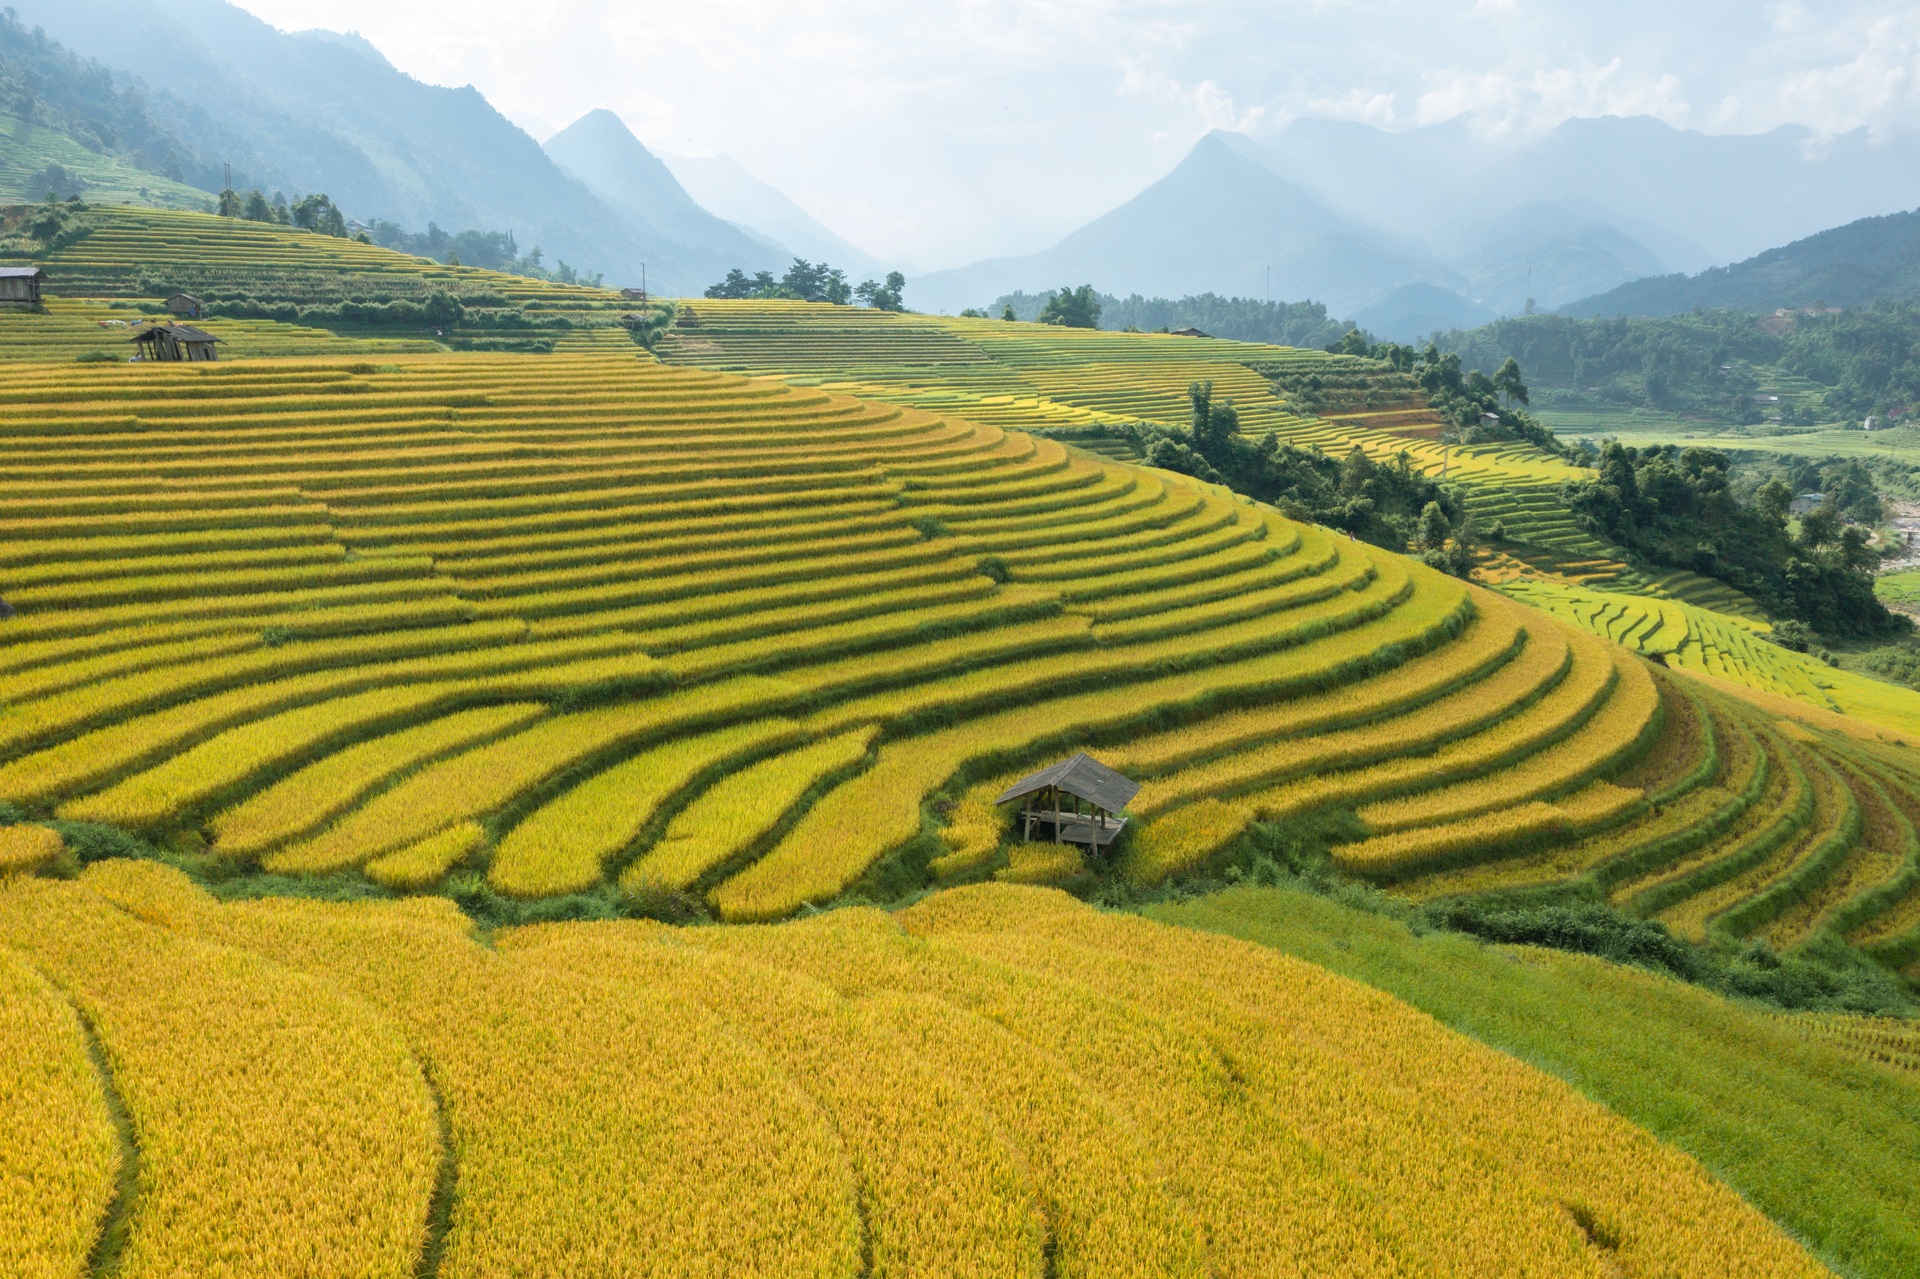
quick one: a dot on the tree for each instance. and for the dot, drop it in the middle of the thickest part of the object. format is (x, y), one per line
(231, 206)
(1435, 527)
(1213, 425)
(1072, 309)
(1506, 380)
(443, 310)
(1352, 342)
(318, 213)
(1006, 313)
(883, 297)
(734, 287)
(258, 210)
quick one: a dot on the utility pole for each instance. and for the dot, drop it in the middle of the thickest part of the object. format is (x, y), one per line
(1269, 294)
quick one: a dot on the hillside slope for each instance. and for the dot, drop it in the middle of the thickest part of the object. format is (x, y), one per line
(331, 114)
(582, 620)
(997, 1082)
(602, 152)
(1798, 1113)
(1216, 223)
(1851, 265)
(722, 185)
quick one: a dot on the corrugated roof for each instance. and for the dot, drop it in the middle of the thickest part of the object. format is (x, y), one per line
(19, 272)
(1084, 777)
(184, 332)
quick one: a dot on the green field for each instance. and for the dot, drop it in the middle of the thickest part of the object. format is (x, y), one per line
(1817, 1137)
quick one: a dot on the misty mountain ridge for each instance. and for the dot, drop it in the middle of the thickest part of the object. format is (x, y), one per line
(1444, 222)
(599, 150)
(1857, 264)
(1217, 223)
(723, 186)
(328, 112)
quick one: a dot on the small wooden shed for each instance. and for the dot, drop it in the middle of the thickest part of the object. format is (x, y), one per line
(1077, 801)
(1190, 333)
(175, 342)
(20, 285)
(184, 305)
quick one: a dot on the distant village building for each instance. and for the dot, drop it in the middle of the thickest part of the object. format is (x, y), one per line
(1190, 333)
(1077, 801)
(184, 305)
(20, 285)
(1490, 420)
(1806, 502)
(634, 295)
(175, 343)
(1871, 424)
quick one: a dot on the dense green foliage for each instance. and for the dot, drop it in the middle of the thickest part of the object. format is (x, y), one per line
(883, 295)
(1072, 308)
(804, 282)
(1678, 509)
(1819, 1140)
(1705, 362)
(1394, 506)
(1477, 408)
(1863, 262)
(1302, 324)
(41, 81)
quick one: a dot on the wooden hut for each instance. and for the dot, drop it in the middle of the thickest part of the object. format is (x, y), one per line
(184, 305)
(1077, 801)
(175, 342)
(20, 285)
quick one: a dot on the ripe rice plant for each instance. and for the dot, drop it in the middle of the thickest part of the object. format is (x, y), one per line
(25, 848)
(59, 1149)
(742, 809)
(565, 845)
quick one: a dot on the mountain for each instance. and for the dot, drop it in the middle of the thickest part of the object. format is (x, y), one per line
(599, 150)
(1217, 222)
(722, 185)
(1851, 265)
(1692, 199)
(1414, 311)
(1547, 252)
(327, 112)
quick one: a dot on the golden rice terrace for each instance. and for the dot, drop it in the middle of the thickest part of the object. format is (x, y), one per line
(579, 622)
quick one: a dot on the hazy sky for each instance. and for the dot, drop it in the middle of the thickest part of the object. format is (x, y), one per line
(939, 131)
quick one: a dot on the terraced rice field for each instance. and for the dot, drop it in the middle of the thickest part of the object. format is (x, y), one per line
(1726, 646)
(30, 148)
(129, 249)
(999, 1081)
(532, 617)
(70, 329)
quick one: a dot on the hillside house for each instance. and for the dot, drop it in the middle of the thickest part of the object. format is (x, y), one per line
(1077, 801)
(634, 295)
(20, 285)
(1190, 333)
(1806, 502)
(184, 305)
(175, 343)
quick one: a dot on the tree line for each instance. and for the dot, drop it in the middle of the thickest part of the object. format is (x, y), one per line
(1706, 363)
(806, 281)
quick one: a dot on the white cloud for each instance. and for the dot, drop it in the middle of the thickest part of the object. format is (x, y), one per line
(941, 129)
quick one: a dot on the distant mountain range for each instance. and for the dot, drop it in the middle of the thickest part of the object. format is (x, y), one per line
(722, 186)
(1443, 228)
(1851, 265)
(1431, 229)
(315, 111)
